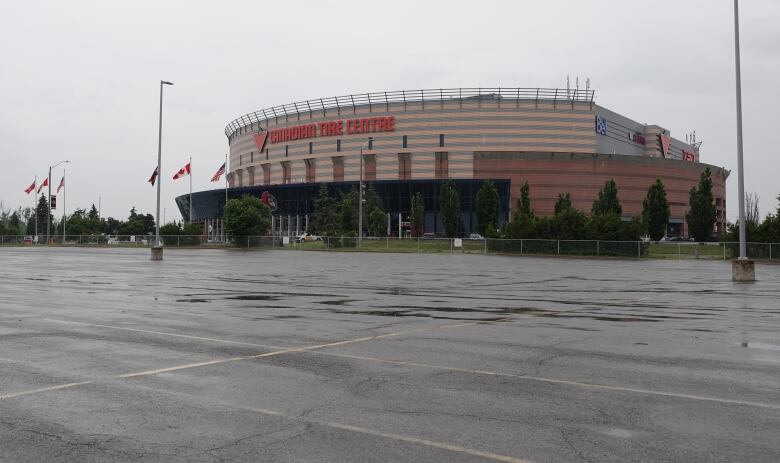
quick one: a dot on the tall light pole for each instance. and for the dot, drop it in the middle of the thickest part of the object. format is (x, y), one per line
(360, 196)
(743, 268)
(48, 216)
(158, 244)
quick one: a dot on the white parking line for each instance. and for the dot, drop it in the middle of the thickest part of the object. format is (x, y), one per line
(43, 389)
(317, 350)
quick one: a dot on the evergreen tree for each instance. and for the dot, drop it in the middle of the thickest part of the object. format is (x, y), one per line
(377, 222)
(418, 215)
(326, 218)
(608, 202)
(375, 218)
(349, 213)
(488, 205)
(655, 211)
(15, 223)
(42, 210)
(702, 214)
(449, 208)
(93, 213)
(524, 223)
(524, 202)
(563, 203)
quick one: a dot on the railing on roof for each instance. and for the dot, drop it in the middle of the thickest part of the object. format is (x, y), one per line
(406, 96)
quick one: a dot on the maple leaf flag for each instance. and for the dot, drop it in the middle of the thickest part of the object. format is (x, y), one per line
(30, 188)
(219, 173)
(62, 184)
(182, 172)
(153, 178)
(44, 183)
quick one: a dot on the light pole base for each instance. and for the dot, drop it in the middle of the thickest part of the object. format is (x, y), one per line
(157, 253)
(743, 270)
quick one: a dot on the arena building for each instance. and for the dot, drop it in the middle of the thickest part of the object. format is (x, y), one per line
(558, 140)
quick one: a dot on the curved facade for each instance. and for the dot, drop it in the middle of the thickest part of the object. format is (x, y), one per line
(558, 140)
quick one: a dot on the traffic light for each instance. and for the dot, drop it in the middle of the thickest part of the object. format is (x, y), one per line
(53, 202)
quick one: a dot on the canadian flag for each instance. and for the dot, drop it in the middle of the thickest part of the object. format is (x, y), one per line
(30, 188)
(62, 184)
(182, 172)
(44, 183)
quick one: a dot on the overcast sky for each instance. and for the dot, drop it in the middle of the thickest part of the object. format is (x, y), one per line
(80, 80)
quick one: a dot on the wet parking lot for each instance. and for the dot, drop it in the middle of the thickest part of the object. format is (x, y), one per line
(224, 355)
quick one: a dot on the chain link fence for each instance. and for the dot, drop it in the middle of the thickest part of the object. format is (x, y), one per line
(587, 248)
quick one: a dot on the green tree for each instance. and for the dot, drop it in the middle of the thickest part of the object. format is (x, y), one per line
(524, 223)
(702, 213)
(15, 223)
(524, 202)
(655, 211)
(570, 224)
(376, 217)
(449, 208)
(42, 211)
(563, 203)
(326, 218)
(607, 202)
(246, 216)
(377, 222)
(349, 213)
(134, 224)
(488, 205)
(418, 215)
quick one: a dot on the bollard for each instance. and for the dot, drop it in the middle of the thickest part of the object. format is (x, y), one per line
(157, 253)
(485, 245)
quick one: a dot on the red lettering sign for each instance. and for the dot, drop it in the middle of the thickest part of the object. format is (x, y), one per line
(333, 128)
(689, 156)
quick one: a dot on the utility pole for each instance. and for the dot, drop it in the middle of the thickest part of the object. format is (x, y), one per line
(742, 269)
(157, 249)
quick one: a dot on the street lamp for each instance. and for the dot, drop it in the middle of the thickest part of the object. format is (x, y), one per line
(742, 269)
(48, 216)
(360, 195)
(157, 248)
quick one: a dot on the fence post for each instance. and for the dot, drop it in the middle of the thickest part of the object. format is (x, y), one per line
(418, 244)
(486, 245)
(178, 241)
(452, 240)
(770, 251)
(638, 249)
(598, 250)
(247, 242)
(724, 250)
(559, 247)
(521, 246)
(79, 239)
(387, 242)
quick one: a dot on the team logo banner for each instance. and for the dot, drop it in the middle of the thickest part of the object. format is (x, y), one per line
(601, 125)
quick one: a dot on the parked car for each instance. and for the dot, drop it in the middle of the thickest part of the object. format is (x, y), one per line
(428, 236)
(28, 240)
(476, 236)
(301, 238)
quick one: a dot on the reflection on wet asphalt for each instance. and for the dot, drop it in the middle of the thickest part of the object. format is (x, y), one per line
(530, 358)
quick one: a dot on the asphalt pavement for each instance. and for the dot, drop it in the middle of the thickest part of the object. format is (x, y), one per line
(279, 356)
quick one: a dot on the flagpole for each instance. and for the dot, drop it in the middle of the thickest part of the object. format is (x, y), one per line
(226, 197)
(63, 207)
(35, 207)
(190, 189)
